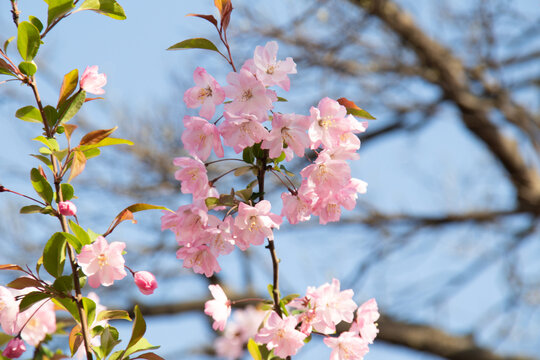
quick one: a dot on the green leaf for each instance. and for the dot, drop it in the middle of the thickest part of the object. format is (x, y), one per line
(141, 345)
(109, 339)
(30, 209)
(28, 40)
(242, 170)
(247, 155)
(138, 330)
(30, 299)
(51, 143)
(71, 106)
(195, 43)
(64, 284)
(80, 233)
(113, 315)
(51, 115)
(58, 8)
(54, 255)
(90, 309)
(28, 68)
(69, 305)
(69, 84)
(280, 158)
(211, 202)
(36, 22)
(67, 191)
(361, 113)
(109, 8)
(74, 241)
(253, 349)
(106, 142)
(42, 187)
(44, 159)
(24, 282)
(282, 99)
(6, 43)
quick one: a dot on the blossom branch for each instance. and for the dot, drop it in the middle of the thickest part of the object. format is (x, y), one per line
(3, 189)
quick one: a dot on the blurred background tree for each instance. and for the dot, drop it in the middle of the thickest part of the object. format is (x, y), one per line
(446, 239)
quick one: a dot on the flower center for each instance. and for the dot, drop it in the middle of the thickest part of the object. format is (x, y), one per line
(247, 95)
(270, 69)
(253, 226)
(204, 93)
(325, 122)
(102, 260)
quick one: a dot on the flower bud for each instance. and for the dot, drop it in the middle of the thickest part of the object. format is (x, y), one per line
(146, 282)
(14, 349)
(67, 208)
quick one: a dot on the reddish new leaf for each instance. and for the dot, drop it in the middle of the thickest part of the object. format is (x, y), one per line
(11, 267)
(354, 109)
(209, 18)
(96, 136)
(24, 282)
(69, 129)
(77, 165)
(96, 98)
(69, 84)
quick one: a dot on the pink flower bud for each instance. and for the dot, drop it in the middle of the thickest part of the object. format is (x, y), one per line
(67, 208)
(14, 349)
(93, 82)
(146, 282)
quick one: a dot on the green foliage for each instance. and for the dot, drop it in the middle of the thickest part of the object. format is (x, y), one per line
(28, 40)
(89, 307)
(74, 241)
(30, 209)
(29, 113)
(109, 8)
(113, 315)
(5, 68)
(80, 233)
(69, 84)
(31, 298)
(253, 349)
(57, 9)
(67, 191)
(247, 155)
(195, 43)
(64, 284)
(69, 108)
(109, 339)
(36, 22)
(54, 255)
(28, 68)
(41, 186)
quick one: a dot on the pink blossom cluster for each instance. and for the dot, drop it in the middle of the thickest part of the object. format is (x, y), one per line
(327, 185)
(319, 311)
(30, 325)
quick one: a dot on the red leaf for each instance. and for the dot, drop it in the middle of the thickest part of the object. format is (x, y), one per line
(11, 267)
(209, 18)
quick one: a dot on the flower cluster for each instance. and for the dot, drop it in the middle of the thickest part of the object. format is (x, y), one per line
(249, 123)
(319, 311)
(30, 325)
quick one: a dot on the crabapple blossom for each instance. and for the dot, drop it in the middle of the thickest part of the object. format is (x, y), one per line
(281, 335)
(298, 207)
(193, 176)
(219, 308)
(326, 174)
(241, 131)
(199, 257)
(92, 81)
(102, 262)
(14, 349)
(329, 121)
(364, 324)
(206, 93)
(200, 136)
(220, 236)
(67, 208)
(288, 129)
(145, 281)
(269, 70)
(36, 322)
(249, 95)
(255, 223)
(9, 308)
(348, 346)
(188, 222)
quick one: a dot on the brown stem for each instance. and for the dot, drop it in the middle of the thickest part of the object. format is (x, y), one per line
(71, 252)
(270, 246)
(15, 12)
(4, 189)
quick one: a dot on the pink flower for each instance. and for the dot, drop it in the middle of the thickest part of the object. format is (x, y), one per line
(188, 222)
(249, 95)
(329, 121)
(14, 349)
(38, 321)
(366, 315)
(206, 93)
(327, 174)
(230, 348)
(298, 207)
(67, 208)
(220, 236)
(102, 262)
(93, 82)
(280, 334)
(193, 176)
(200, 258)
(145, 281)
(348, 346)
(9, 308)
(271, 71)
(255, 223)
(288, 129)
(219, 308)
(241, 131)
(200, 136)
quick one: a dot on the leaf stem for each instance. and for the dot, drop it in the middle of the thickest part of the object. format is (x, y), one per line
(4, 189)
